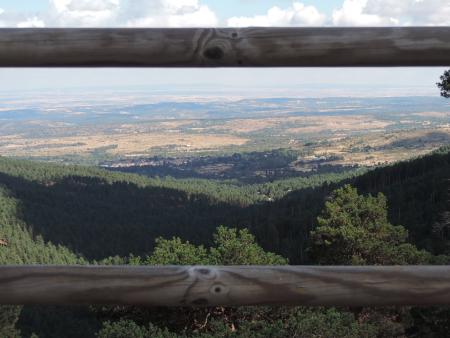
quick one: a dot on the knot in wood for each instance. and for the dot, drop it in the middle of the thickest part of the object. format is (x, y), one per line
(219, 289)
(214, 53)
(204, 273)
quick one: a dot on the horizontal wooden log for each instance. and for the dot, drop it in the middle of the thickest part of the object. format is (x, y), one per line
(226, 286)
(225, 47)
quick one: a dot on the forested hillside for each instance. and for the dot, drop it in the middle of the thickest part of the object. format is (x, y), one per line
(97, 213)
(77, 215)
(417, 191)
(419, 194)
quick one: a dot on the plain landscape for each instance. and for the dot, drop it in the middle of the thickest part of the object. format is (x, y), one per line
(127, 130)
(138, 178)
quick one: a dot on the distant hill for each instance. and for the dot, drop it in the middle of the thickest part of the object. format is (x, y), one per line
(219, 108)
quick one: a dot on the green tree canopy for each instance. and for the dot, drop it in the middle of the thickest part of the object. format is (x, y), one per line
(129, 329)
(444, 84)
(231, 247)
(354, 230)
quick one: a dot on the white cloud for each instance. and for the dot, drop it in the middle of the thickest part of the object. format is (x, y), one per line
(89, 5)
(194, 13)
(9, 19)
(180, 6)
(352, 14)
(201, 16)
(392, 13)
(167, 13)
(82, 13)
(413, 12)
(130, 13)
(355, 13)
(296, 15)
(33, 22)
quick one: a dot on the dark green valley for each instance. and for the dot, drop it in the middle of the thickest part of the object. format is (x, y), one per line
(66, 214)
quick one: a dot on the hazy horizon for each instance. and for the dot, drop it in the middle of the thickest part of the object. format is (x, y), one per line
(308, 82)
(282, 82)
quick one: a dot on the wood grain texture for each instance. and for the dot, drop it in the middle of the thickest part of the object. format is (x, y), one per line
(226, 286)
(227, 47)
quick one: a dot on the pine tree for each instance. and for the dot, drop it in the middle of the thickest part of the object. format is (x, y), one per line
(354, 230)
(444, 84)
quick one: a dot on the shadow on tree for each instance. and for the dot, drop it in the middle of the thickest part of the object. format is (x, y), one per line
(99, 219)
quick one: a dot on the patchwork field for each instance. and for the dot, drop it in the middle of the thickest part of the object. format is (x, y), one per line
(123, 144)
(335, 131)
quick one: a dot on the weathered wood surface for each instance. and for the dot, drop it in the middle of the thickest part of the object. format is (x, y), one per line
(226, 286)
(226, 47)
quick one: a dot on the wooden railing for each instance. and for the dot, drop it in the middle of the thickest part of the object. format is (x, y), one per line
(248, 47)
(225, 286)
(239, 285)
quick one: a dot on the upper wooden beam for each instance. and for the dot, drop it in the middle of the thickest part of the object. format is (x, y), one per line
(227, 47)
(226, 286)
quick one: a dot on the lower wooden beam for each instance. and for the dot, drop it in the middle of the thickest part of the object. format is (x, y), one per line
(226, 286)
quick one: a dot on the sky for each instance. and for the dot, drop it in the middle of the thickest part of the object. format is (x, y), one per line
(225, 13)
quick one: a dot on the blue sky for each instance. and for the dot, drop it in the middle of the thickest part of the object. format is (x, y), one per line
(24, 5)
(188, 13)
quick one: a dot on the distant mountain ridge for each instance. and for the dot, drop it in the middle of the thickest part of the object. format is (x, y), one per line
(223, 109)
